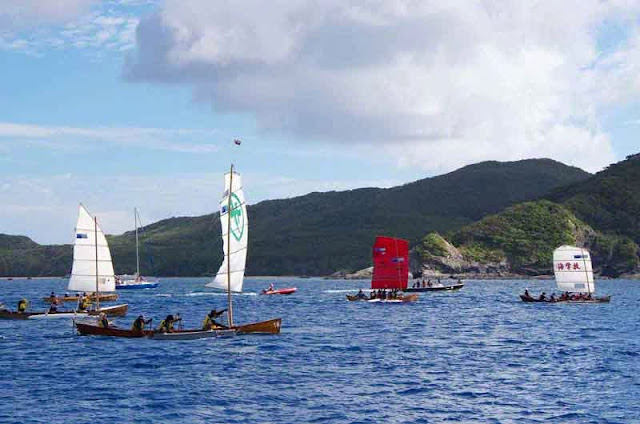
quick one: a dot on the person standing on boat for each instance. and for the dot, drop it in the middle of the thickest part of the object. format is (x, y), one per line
(22, 305)
(139, 323)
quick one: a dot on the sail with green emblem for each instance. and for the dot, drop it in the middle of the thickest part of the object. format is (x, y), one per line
(235, 231)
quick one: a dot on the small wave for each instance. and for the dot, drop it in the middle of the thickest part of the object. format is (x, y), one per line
(164, 295)
(195, 294)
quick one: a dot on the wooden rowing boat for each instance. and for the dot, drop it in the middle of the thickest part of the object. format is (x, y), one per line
(603, 299)
(94, 330)
(112, 311)
(74, 298)
(264, 327)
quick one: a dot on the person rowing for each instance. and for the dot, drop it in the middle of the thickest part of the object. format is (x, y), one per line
(139, 323)
(361, 295)
(22, 305)
(54, 305)
(210, 322)
(270, 288)
(166, 325)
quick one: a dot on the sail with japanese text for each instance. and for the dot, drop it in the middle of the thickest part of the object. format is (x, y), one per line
(390, 263)
(573, 270)
(233, 217)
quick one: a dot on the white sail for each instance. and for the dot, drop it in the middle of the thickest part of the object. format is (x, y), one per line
(236, 253)
(85, 266)
(573, 270)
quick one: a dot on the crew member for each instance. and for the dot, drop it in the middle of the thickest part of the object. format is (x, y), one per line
(210, 320)
(139, 323)
(22, 305)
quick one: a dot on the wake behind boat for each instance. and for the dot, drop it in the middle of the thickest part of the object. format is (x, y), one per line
(390, 272)
(574, 277)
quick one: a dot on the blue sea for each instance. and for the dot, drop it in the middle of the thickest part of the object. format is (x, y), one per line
(474, 356)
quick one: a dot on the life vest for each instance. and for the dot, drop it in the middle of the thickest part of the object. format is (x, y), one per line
(22, 305)
(207, 323)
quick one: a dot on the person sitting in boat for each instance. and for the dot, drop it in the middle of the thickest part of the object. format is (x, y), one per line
(543, 297)
(588, 297)
(526, 294)
(166, 325)
(429, 283)
(552, 298)
(22, 305)
(103, 322)
(83, 303)
(361, 295)
(210, 320)
(54, 305)
(52, 295)
(270, 288)
(66, 294)
(139, 323)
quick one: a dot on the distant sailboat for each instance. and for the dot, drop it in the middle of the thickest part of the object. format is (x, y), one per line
(574, 275)
(390, 269)
(137, 282)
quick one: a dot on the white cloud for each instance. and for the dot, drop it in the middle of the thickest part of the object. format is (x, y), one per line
(34, 26)
(61, 137)
(16, 14)
(437, 84)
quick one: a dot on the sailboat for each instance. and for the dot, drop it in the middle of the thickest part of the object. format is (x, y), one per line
(390, 270)
(137, 282)
(230, 276)
(92, 271)
(574, 275)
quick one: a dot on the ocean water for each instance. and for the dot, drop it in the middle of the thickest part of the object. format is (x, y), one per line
(474, 356)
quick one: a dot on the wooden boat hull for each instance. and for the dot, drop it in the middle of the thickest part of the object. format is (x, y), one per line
(403, 299)
(289, 290)
(5, 314)
(434, 288)
(111, 311)
(192, 334)
(271, 326)
(602, 299)
(94, 330)
(103, 298)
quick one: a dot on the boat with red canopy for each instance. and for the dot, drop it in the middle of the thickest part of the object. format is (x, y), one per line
(390, 272)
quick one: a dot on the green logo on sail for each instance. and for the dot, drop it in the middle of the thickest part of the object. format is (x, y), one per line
(237, 217)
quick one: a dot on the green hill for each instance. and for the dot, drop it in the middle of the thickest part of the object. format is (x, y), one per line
(319, 233)
(601, 213)
(609, 201)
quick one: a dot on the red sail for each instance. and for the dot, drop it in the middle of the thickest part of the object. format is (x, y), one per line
(390, 263)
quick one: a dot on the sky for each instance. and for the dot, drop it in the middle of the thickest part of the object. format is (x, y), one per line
(135, 103)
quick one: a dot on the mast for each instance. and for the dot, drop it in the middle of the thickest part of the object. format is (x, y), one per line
(586, 273)
(230, 307)
(135, 222)
(95, 229)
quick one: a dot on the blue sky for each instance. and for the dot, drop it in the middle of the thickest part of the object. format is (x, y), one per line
(126, 103)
